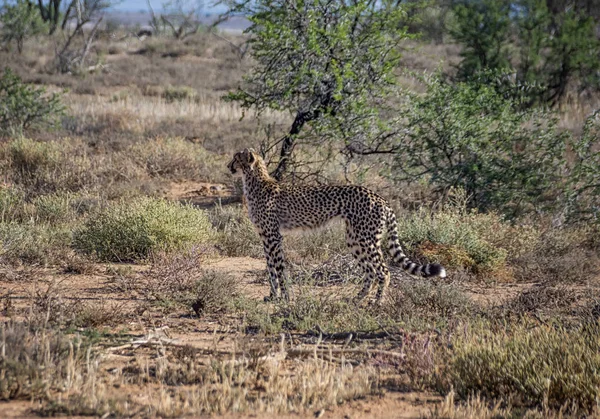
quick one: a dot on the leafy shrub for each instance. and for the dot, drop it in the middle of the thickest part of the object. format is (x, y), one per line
(20, 21)
(548, 366)
(128, 231)
(557, 49)
(23, 106)
(462, 238)
(472, 136)
(483, 28)
(583, 189)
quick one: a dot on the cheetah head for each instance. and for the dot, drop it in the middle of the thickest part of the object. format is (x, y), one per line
(241, 160)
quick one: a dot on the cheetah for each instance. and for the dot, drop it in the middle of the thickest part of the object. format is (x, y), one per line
(274, 207)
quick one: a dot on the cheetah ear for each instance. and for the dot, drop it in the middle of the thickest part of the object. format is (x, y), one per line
(251, 159)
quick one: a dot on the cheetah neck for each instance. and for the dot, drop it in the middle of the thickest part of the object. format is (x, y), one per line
(255, 179)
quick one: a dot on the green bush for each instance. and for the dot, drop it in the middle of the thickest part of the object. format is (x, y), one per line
(129, 231)
(583, 189)
(20, 21)
(483, 28)
(471, 135)
(546, 366)
(557, 48)
(461, 238)
(24, 106)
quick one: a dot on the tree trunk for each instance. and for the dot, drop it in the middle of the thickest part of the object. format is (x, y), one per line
(288, 143)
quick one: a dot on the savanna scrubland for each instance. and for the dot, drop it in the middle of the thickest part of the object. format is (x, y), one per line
(132, 281)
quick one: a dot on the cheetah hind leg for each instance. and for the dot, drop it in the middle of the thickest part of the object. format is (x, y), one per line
(383, 275)
(370, 275)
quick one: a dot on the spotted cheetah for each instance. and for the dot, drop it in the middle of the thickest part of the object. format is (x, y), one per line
(274, 207)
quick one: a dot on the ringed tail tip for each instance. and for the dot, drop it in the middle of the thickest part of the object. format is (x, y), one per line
(435, 269)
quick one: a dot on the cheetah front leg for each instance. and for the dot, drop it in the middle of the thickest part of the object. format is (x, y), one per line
(273, 247)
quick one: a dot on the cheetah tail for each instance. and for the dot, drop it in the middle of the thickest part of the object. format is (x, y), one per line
(397, 254)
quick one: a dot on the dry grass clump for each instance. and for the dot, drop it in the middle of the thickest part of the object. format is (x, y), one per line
(421, 304)
(129, 231)
(181, 281)
(540, 299)
(476, 407)
(45, 167)
(248, 385)
(317, 245)
(35, 363)
(236, 236)
(33, 244)
(563, 256)
(330, 311)
(548, 366)
(176, 158)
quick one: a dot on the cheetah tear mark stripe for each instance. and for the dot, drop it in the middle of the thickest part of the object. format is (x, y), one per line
(395, 250)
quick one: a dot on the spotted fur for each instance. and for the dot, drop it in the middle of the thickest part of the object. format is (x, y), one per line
(275, 207)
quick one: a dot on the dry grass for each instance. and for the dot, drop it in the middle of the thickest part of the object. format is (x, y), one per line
(181, 281)
(36, 363)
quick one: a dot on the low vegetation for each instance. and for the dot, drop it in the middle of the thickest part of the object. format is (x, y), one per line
(128, 231)
(547, 366)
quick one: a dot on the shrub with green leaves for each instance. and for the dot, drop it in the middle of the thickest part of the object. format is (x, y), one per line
(470, 135)
(25, 106)
(483, 28)
(545, 366)
(583, 189)
(557, 47)
(129, 231)
(20, 20)
(461, 238)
